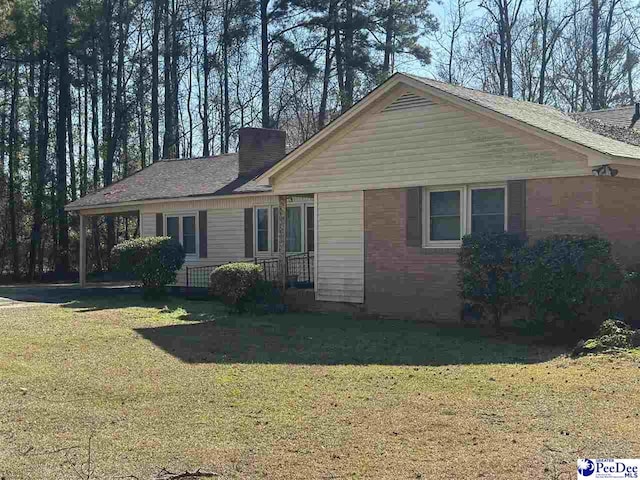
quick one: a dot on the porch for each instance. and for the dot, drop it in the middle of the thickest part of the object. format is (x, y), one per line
(277, 233)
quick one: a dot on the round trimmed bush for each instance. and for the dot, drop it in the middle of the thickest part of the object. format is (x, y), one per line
(570, 283)
(488, 279)
(154, 261)
(237, 284)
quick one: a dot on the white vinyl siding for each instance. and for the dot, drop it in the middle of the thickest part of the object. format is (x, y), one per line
(340, 247)
(225, 226)
(148, 224)
(435, 144)
(225, 229)
(225, 236)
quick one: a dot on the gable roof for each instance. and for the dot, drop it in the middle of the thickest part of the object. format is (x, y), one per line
(541, 119)
(170, 179)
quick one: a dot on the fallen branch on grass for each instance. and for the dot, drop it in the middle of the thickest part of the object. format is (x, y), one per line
(165, 474)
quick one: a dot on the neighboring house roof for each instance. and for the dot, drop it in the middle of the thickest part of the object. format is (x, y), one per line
(611, 130)
(618, 116)
(534, 117)
(169, 179)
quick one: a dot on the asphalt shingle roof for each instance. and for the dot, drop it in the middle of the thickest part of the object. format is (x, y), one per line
(619, 116)
(167, 179)
(196, 177)
(543, 117)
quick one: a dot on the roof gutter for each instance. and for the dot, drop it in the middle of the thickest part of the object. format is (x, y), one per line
(150, 201)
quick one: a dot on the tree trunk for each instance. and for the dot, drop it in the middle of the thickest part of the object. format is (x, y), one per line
(205, 65)
(141, 98)
(64, 105)
(96, 165)
(326, 78)
(349, 73)
(595, 74)
(225, 81)
(388, 41)
(155, 53)
(13, 173)
(168, 114)
(83, 134)
(175, 52)
(339, 65)
(264, 41)
(72, 166)
(189, 151)
(35, 167)
(107, 109)
(36, 257)
(543, 62)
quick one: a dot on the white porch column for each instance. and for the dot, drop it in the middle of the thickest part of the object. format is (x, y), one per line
(82, 261)
(282, 242)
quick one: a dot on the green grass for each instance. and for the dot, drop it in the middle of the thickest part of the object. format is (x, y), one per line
(185, 385)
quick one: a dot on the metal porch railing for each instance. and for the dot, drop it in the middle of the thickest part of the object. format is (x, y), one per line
(300, 271)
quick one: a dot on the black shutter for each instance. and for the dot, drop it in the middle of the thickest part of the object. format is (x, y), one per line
(202, 231)
(248, 232)
(159, 225)
(276, 218)
(414, 217)
(517, 206)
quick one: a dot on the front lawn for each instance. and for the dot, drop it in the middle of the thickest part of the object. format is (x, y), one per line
(182, 385)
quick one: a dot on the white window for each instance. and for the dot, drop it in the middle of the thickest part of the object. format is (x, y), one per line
(450, 213)
(294, 229)
(184, 229)
(297, 229)
(262, 229)
(488, 210)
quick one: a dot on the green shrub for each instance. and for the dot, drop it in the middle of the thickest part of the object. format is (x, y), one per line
(569, 283)
(154, 261)
(237, 285)
(488, 279)
(612, 335)
(629, 299)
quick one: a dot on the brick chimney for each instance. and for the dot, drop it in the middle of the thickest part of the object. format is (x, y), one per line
(259, 147)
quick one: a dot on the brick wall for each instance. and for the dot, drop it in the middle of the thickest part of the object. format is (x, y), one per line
(604, 206)
(620, 216)
(563, 206)
(412, 282)
(404, 281)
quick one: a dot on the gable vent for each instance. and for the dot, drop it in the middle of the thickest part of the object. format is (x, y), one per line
(408, 101)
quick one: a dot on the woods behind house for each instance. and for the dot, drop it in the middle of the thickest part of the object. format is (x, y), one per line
(93, 90)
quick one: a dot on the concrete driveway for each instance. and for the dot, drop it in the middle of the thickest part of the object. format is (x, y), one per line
(37, 294)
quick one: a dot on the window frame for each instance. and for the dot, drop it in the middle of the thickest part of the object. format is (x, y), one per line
(273, 210)
(465, 211)
(269, 230)
(303, 236)
(471, 188)
(308, 206)
(180, 216)
(426, 218)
